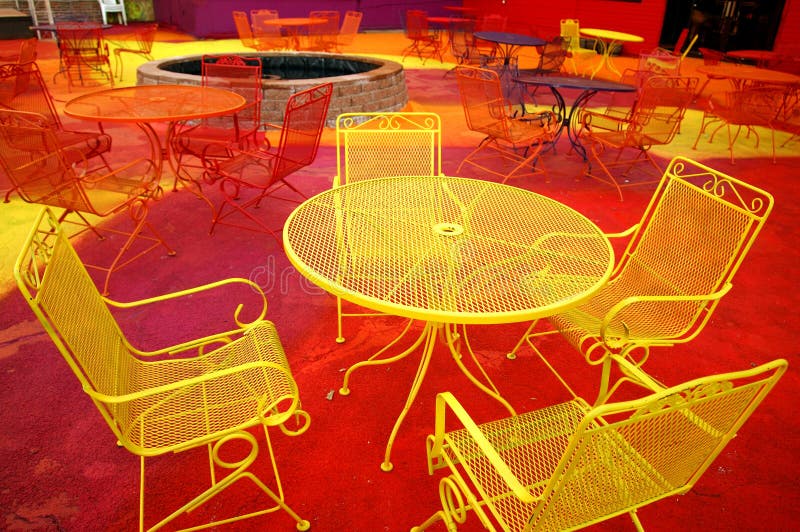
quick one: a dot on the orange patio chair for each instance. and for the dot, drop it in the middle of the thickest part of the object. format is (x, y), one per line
(654, 121)
(323, 36)
(192, 143)
(512, 146)
(26, 53)
(144, 38)
(264, 170)
(678, 263)
(425, 43)
(203, 394)
(23, 89)
(44, 172)
(347, 33)
(747, 108)
(570, 465)
(84, 52)
(267, 36)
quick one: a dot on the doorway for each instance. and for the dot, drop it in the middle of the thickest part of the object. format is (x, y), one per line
(723, 24)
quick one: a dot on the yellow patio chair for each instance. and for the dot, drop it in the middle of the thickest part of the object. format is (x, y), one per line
(570, 30)
(375, 145)
(571, 465)
(512, 146)
(199, 393)
(654, 121)
(679, 262)
(43, 171)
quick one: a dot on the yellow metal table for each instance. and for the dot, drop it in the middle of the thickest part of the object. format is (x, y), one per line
(608, 41)
(449, 251)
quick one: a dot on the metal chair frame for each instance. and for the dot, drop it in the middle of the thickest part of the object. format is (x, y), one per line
(570, 29)
(424, 42)
(144, 38)
(571, 465)
(202, 392)
(84, 50)
(347, 33)
(654, 121)
(384, 144)
(517, 142)
(267, 36)
(323, 36)
(22, 88)
(264, 170)
(680, 260)
(748, 108)
(193, 142)
(46, 173)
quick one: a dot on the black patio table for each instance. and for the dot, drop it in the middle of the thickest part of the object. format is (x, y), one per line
(587, 88)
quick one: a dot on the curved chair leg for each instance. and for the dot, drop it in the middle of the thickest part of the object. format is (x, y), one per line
(239, 470)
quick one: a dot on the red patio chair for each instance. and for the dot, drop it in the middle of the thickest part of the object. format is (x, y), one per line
(195, 141)
(44, 172)
(83, 52)
(425, 43)
(263, 171)
(23, 89)
(144, 38)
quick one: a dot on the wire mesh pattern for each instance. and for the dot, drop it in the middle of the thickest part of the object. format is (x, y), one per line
(447, 249)
(570, 465)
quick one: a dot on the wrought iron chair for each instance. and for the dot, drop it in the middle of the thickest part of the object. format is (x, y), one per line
(44, 172)
(570, 30)
(489, 22)
(193, 142)
(323, 36)
(23, 89)
(679, 262)
(267, 36)
(203, 392)
(376, 145)
(425, 42)
(26, 54)
(113, 6)
(462, 44)
(509, 141)
(654, 121)
(83, 51)
(571, 465)
(668, 62)
(349, 29)
(144, 37)
(264, 170)
(746, 108)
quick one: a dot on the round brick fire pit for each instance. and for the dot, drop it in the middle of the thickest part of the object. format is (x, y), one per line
(361, 84)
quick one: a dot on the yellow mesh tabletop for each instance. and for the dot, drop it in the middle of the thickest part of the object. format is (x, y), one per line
(448, 249)
(164, 103)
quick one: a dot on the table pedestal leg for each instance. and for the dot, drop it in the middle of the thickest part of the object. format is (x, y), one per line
(605, 58)
(427, 339)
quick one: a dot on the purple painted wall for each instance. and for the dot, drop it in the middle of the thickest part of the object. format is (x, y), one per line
(212, 18)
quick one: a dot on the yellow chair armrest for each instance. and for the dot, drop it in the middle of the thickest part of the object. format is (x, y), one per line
(199, 342)
(184, 383)
(446, 399)
(612, 314)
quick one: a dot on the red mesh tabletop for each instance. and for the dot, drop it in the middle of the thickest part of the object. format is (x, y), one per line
(151, 103)
(448, 249)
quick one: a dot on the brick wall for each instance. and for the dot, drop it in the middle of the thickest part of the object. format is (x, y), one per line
(87, 10)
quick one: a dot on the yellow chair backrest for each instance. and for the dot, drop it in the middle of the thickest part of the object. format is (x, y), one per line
(571, 465)
(373, 145)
